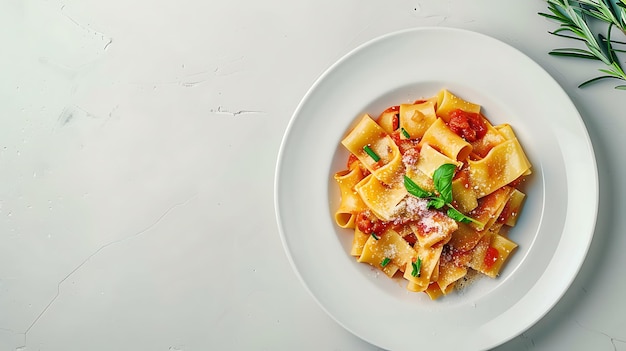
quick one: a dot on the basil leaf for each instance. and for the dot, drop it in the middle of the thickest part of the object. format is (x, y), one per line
(436, 202)
(460, 217)
(443, 181)
(415, 189)
(457, 216)
(385, 262)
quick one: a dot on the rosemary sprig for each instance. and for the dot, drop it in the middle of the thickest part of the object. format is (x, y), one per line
(572, 16)
(609, 11)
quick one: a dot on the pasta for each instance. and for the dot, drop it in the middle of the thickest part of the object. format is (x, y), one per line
(429, 192)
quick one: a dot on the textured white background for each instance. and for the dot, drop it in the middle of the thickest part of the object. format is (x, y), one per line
(138, 141)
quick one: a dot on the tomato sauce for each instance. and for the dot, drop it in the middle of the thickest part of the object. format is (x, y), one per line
(392, 109)
(467, 125)
(491, 256)
(517, 182)
(404, 145)
(352, 159)
(505, 214)
(395, 110)
(463, 177)
(410, 238)
(369, 224)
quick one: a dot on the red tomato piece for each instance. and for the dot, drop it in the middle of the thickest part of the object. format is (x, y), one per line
(491, 256)
(469, 126)
(363, 222)
(369, 224)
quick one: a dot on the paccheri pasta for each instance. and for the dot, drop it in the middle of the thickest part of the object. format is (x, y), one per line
(430, 190)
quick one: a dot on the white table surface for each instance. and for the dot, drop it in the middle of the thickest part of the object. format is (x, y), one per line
(138, 143)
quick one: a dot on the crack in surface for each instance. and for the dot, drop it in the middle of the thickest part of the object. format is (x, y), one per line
(528, 339)
(222, 111)
(88, 29)
(101, 248)
(192, 79)
(612, 339)
(69, 113)
(191, 84)
(106, 46)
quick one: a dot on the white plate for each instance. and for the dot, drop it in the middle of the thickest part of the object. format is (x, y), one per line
(553, 232)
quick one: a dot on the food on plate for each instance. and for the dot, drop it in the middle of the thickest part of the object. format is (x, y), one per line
(429, 191)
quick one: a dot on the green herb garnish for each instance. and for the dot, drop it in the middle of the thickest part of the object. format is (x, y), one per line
(436, 202)
(385, 262)
(442, 178)
(405, 133)
(609, 11)
(415, 189)
(574, 17)
(417, 268)
(371, 152)
(460, 217)
(376, 237)
(443, 181)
